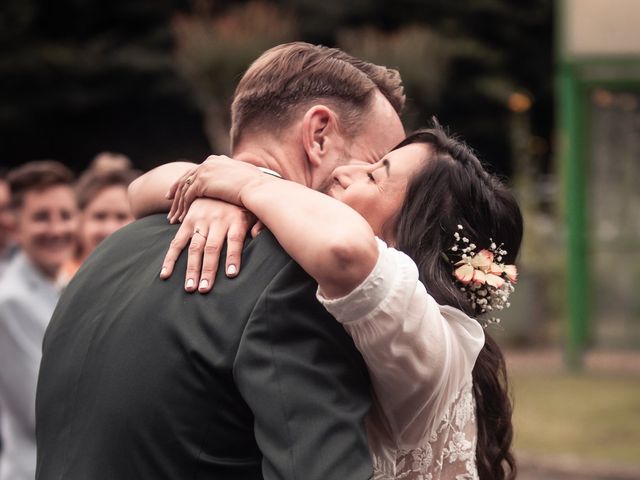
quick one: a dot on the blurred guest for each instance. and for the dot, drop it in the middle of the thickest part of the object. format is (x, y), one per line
(107, 161)
(104, 208)
(44, 203)
(7, 245)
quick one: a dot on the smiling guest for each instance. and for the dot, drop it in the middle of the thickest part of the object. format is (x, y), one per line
(44, 203)
(104, 208)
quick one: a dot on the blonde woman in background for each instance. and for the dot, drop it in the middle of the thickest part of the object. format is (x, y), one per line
(104, 208)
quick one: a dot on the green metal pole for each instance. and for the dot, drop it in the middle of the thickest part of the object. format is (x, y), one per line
(572, 121)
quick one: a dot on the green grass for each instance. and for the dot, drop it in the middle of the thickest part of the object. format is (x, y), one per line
(596, 417)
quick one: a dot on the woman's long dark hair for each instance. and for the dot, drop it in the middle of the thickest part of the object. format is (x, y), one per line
(454, 189)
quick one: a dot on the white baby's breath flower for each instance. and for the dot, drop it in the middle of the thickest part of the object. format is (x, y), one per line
(479, 286)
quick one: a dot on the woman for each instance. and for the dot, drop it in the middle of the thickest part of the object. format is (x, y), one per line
(441, 408)
(104, 208)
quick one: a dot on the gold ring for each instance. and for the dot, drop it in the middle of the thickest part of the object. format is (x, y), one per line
(189, 180)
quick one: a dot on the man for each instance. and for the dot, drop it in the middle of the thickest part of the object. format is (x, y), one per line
(141, 380)
(45, 207)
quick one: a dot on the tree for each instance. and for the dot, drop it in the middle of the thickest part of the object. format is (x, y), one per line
(212, 51)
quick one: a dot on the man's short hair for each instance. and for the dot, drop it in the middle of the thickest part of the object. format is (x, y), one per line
(93, 181)
(286, 79)
(37, 175)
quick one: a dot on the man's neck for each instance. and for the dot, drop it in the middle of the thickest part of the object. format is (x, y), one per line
(278, 158)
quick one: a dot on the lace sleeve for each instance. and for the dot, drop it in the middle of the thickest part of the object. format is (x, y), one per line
(418, 353)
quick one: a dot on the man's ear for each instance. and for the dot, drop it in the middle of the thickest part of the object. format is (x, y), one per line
(319, 125)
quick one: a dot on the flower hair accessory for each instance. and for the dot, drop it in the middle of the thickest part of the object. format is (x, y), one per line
(484, 278)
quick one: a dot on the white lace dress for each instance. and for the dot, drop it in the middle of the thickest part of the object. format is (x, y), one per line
(420, 356)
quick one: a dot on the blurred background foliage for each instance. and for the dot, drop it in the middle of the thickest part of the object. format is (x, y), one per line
(212, 50)
(152, 78)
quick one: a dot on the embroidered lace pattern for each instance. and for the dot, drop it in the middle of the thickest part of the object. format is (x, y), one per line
(448, 455)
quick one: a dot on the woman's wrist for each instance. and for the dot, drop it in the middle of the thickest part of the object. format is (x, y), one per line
(254, 186)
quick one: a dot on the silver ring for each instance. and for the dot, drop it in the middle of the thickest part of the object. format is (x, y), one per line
(197, 230)
(189, 180)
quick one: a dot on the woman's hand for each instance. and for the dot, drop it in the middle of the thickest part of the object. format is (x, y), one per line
(148, 193)
(217, 177)
(208, 223)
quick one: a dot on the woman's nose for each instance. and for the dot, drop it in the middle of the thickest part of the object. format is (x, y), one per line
(347, 174)
(353, 170)
(341, 174)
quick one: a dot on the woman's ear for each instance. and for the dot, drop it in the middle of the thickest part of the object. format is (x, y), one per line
(318, 124)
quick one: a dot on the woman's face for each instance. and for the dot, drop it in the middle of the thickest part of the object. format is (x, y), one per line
(105, 214)
(377, 191)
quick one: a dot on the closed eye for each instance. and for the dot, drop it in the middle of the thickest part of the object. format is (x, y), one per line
(371, 177)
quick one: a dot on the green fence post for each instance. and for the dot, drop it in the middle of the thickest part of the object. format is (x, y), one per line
(572, 118)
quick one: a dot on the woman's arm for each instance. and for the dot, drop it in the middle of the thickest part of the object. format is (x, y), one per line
(331, 241)
(420, 355)
(148, 193)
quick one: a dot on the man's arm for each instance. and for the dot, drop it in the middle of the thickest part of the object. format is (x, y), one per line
(306, 384)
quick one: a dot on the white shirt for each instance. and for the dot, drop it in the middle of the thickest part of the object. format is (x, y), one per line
(420, 356)
(27, 301)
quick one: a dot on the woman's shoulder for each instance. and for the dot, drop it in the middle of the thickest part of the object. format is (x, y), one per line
(463, 323)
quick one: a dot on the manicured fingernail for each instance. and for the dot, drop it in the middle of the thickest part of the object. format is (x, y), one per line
(190, 283)
(232, 270)
(163, 271)
(204, 284)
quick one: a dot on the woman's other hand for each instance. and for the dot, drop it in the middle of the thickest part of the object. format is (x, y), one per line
(217, 177)
(205, 227)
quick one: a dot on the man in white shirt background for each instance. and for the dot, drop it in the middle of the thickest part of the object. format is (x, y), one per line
(44, 205)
